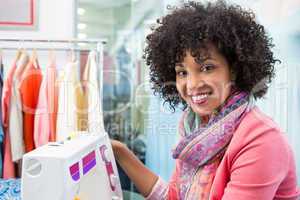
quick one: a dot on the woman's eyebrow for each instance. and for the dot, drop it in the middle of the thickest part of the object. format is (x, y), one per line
(179, 65)
(204, 59)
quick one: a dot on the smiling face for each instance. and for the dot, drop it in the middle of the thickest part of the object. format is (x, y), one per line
(204, 86)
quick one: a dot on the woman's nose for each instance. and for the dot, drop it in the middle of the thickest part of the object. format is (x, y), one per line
(193, 82)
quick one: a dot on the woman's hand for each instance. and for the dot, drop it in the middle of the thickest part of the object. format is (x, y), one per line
(117, 148)
(133, 167)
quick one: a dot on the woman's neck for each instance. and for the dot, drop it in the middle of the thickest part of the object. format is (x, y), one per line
(204, 120)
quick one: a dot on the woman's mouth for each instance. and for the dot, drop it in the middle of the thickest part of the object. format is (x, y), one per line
(201, 99)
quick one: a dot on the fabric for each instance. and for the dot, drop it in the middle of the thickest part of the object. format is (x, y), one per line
(66, 115)
(46, 111)
(91, 80)
(258, 164)
(16, 116)
(81, 108)
(29, 89)
(8, 165)
(10, 189)
(52, 89)
(202, 146)
(81, 99)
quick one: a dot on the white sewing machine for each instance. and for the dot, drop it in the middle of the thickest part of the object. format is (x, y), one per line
(82, 168)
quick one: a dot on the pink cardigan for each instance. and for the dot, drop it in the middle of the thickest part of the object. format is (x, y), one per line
(258, 165)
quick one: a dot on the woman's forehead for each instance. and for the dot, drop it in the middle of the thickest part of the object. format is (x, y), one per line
(200, 55)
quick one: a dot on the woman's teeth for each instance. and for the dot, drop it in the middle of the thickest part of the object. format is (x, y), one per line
(199, 98)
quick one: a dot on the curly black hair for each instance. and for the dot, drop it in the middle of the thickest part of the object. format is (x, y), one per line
(190, 27)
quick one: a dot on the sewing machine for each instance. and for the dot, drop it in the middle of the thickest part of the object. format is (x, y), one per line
(81, 168)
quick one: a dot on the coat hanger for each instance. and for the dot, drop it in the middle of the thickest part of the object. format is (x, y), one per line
(72, 54)
(19, 52)
(51, 57)
(34, 59)
(23, 50)
(22, 63)
(18, 55)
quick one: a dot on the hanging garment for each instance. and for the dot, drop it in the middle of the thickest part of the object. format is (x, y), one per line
(46, 111)
(81, 100)
(1, 127)
(52, 91)
(16, 116)
(66, 115)
(8, 165)
(29, 88)
(91, 77)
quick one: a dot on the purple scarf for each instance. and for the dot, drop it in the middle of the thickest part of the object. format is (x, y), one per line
(199, 145)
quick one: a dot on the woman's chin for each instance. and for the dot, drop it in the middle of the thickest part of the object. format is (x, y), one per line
(202, 111)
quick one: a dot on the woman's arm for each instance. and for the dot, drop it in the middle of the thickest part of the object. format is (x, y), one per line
(139, 174)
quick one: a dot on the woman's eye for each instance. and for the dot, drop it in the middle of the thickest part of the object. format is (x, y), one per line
(180, 73)
(206, 68)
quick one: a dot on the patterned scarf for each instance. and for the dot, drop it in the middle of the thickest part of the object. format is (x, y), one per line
(202, 147)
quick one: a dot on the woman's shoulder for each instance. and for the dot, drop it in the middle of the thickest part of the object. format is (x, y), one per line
(257, 124)
(259, 158)
(259, 131)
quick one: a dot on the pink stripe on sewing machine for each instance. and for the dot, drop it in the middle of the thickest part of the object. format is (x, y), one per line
(74, 171)
(91, 156)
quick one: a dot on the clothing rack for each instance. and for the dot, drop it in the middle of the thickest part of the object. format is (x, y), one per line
(46, 49)
(54, 40)
(98, 42)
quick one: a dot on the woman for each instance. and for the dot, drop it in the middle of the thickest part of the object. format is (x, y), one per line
(215, 60)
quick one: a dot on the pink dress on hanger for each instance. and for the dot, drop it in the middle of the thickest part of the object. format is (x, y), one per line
(46, 111)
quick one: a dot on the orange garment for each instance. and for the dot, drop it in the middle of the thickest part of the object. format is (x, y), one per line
(8, 165)
(29, 89)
